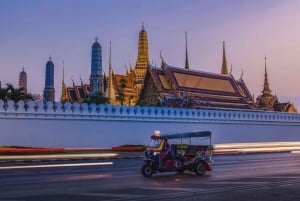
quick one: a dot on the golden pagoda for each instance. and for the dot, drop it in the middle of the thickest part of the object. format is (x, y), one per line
(268, 101)
(142, 61)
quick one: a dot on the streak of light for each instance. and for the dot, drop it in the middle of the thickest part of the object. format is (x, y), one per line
(257, 147)
(83, 177)
(55, 165)
(56, 156)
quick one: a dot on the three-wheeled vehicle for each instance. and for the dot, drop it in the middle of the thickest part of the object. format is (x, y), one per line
(192, 156)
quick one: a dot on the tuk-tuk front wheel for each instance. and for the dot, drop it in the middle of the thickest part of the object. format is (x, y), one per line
(200, 168)
(147, 170)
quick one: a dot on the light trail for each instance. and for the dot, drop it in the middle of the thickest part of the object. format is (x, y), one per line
(59, 156)
(257, 147)
(55, 165)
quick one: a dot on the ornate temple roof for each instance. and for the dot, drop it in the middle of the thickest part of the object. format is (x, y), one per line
(77, 93)
(208, 89)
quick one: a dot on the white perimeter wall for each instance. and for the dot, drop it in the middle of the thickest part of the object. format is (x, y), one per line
(57, 125)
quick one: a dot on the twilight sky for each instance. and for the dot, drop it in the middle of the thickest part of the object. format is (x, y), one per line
(33, 30)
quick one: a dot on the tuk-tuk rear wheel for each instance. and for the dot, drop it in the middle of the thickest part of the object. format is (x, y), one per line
(147, 170)
(200, 168)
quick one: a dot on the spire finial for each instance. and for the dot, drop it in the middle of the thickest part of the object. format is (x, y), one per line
(186, 53)
(242, 74)
(266, 73)
(224, 69)
(81, 82)
(163, 64)
(50, 58)
(160, 54)
(110, 55)
(73, 81)
(63, 71)
(126, 69)
(143, 27)
(130, 66)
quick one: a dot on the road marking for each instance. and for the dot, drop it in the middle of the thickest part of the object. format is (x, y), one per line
(55, 165)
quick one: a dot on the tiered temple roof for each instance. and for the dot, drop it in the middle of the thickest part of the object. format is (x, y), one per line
(191, 88)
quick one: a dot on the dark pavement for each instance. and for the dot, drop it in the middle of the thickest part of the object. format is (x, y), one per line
(234, 177)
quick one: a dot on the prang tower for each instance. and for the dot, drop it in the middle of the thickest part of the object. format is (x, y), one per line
(142, 62)
(49, 91)
(96, 78)
(23, 80)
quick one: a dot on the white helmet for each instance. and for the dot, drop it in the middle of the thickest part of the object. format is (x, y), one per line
(156, 133)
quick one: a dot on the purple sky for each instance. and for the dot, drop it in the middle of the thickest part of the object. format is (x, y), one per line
(33, 30)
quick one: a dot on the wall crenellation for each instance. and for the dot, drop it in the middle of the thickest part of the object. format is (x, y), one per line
(58, 109)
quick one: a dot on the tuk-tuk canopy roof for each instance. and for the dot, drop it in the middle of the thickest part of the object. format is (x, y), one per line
(187, 135)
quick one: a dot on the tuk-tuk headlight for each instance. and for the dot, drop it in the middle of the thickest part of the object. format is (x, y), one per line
(148, 153)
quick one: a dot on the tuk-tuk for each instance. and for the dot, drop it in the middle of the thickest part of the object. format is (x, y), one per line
(192, 156)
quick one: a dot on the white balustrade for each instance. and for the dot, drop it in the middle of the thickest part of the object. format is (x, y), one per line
(143, 112)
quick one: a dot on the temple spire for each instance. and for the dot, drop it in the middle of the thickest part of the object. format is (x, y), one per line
(224, 69)
(110, 93)
(266, 90)
(142, 61)
(186, 53)
(64, 96)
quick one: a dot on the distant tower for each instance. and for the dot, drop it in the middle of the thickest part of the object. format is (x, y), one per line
(224, 69)
(49, 91)
(186, 53)
(23, 80)
(96, 78)
(142, 62)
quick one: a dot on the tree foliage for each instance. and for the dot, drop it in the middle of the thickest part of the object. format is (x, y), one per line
(97, 98)
(11, 93)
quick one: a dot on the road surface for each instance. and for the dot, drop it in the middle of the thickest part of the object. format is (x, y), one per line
(234, 177)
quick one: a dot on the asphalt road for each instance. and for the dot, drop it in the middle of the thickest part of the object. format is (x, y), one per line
(234, 177)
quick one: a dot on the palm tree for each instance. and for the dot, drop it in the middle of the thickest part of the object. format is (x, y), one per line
(15, 94)
(3, 93)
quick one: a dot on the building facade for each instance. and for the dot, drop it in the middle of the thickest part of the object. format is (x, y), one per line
(49, 90)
